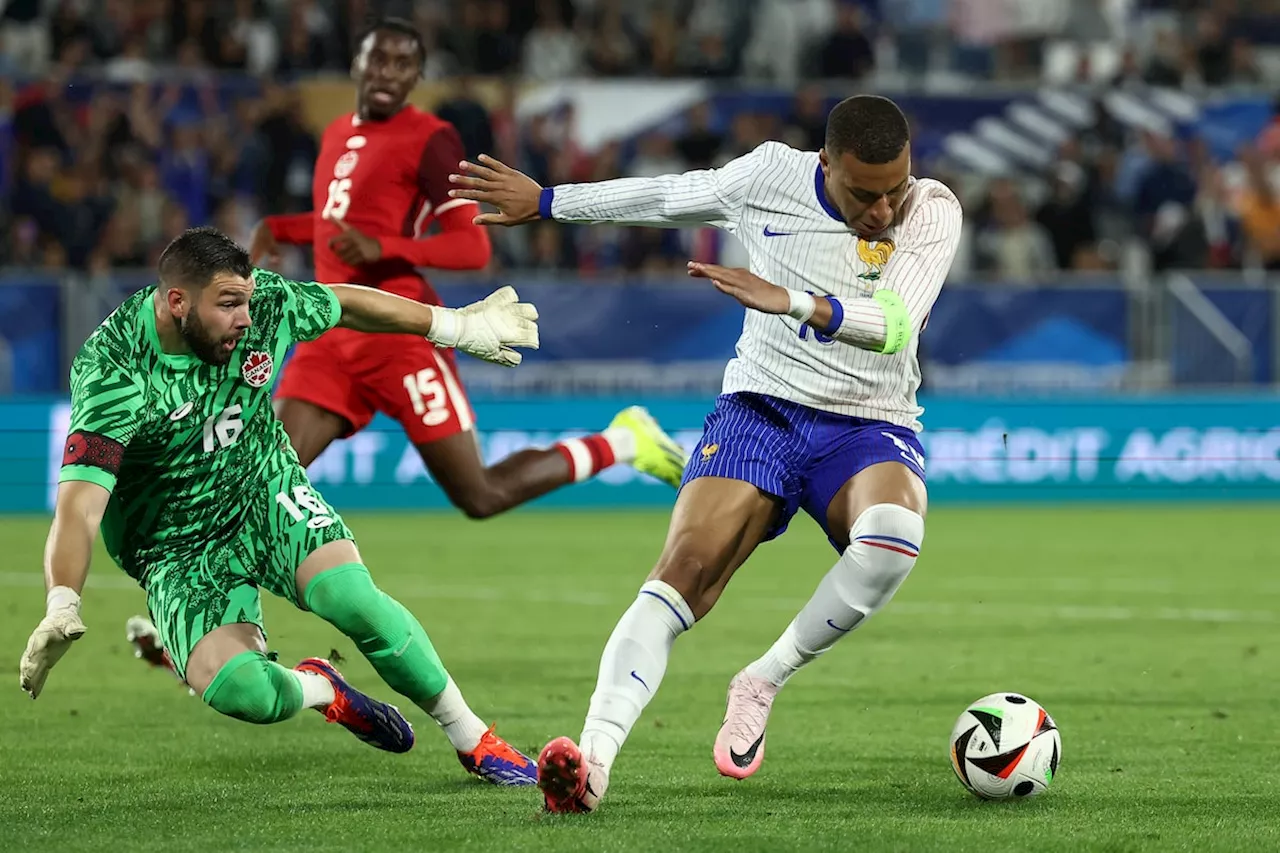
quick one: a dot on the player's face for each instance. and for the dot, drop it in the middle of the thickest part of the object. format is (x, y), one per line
(868, 197)
(216, 317)
(386, 70)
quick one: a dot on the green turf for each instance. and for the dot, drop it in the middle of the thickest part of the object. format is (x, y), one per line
(1149, 633)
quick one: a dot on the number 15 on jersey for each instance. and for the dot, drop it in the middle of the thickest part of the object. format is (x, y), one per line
(339, 199)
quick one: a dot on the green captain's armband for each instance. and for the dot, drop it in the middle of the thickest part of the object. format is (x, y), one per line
(897, 322)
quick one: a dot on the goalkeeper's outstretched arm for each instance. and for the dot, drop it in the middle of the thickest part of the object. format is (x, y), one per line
(490, 329)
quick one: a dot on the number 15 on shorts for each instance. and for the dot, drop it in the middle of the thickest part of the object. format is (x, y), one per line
(304, 503)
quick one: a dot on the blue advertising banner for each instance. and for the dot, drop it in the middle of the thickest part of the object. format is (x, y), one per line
(665, 337)
(979, 450)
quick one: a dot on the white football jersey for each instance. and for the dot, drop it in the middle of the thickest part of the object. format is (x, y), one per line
(773, 201)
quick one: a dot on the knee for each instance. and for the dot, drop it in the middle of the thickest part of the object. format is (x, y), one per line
(243, 689)
(347, 598)
(883, 546)
(481, 502)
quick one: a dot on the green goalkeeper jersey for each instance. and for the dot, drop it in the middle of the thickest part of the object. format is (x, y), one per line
(184, 446)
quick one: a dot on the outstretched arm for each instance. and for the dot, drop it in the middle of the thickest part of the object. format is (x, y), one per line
(707, 196)
(488, 330)
(886, 320)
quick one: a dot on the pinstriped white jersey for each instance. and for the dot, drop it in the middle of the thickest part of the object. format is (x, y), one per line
(773, 201)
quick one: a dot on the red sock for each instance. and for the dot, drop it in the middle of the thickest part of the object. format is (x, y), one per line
(587, 456)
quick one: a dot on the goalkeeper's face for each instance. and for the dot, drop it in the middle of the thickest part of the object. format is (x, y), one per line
(215, 318)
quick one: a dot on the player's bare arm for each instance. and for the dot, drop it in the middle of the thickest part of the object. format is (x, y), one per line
(490, 329)
(77, 514)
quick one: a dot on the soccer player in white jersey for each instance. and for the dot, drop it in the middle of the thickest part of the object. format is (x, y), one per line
(818, 411)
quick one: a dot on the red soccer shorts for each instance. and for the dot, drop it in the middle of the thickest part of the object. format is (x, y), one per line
(357, 374)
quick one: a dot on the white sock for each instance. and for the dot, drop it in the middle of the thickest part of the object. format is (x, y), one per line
(632, 666)
(884, 543)
(623, 443)
(456, 719)
(317, 691)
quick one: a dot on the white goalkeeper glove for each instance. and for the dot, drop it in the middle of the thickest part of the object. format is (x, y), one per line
(488, 329)
(60, 627)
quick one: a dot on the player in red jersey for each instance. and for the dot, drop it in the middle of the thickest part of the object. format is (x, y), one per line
(382, 177)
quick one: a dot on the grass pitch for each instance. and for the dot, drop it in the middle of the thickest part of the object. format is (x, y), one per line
(1151, 634)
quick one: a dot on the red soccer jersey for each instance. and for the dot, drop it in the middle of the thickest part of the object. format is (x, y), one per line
(390, 180)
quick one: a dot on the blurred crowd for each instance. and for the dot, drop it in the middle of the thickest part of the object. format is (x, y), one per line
(1113, 191)
(1173, 42)
(102, 181)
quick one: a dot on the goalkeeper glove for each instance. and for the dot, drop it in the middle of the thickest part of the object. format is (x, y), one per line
(488, 329)
(60, 627)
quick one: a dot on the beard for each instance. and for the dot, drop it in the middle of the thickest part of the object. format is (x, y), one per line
(204, 345)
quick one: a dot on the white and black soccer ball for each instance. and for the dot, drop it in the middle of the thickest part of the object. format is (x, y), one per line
(1005, 746)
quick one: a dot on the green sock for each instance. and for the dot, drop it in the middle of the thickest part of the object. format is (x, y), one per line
(387, 635)
(251, 688)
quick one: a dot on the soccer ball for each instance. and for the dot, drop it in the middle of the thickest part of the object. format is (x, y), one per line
(1005, 746)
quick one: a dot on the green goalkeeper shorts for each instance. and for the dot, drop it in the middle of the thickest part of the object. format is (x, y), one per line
(191, 593)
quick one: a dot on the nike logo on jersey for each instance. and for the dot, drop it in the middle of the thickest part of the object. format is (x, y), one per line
(769, 232)
(747, 757)
(182, 411)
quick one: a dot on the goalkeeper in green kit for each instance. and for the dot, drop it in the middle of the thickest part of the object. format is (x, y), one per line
(174, 451)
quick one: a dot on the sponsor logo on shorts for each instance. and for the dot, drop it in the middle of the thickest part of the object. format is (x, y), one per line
(257, 368)
(906, 451)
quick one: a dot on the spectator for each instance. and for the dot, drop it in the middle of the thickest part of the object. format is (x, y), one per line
(185, 169)
(1212, 50)
(1167, 64)
(611, 41)
(807, 125)
(1260, 213)
(700, 144)
(847, 54)
(1067, 218)
(131, 64)
(24, 37)
(465, 112)
(655, 155)
(552, 51)
(1163, 205)
(1013, 246)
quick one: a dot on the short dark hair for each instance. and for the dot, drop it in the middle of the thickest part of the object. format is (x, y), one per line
(394, 25)
(198, 254)
(869, 127)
